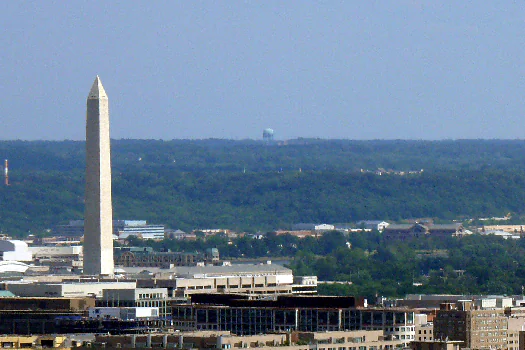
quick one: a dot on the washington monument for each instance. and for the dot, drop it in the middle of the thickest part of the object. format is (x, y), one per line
(98, 214)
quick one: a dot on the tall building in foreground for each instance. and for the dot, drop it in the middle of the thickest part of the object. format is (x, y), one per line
(98, 213)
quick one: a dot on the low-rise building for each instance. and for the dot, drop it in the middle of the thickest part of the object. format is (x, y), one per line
(378, 225)
(34, 341)
(347, 340)
(502, 234)
(514, 229)
(65, 289)
(241, 316)
(138, 228)
(255, 280)
(68, 257)
(14, 250)
(146, 257)
(435, 345)
(138, 297)
(121, 228)
(405, 232)
(299, 234)
(425, 332)
(124, 313)
(25, 316)
(312, 227)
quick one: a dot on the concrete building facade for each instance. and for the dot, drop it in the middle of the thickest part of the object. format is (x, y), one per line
(475, 328)
(66, 289)
(138, 297)
(242, 316)
(255, 280)
(344, 340)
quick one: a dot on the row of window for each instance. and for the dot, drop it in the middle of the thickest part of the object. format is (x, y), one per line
(151, 296)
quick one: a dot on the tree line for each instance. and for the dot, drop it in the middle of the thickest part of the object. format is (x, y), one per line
(250, 186)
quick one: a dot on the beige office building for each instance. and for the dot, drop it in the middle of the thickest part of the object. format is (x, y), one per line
(475, 327)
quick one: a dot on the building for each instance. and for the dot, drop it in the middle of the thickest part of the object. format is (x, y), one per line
(58, 258)
(435, 345)
(514, 229)
(434, 301)
(474, 327)
(121, 228)
(299, 234)
(405, 232)
(516, 326)
(8, 268)
(146, 257)
(98, 213)
(24, 316)
(347, 340)
(255, 280)
(502, 234)
(138, 228)
(65, 289)
(312, 227)
(14, 250)
(373, 225)
(36, 341)
(180, 235)
(124, 313)
(139, 297)
(425, 332)
(75, 228)
(241, 316)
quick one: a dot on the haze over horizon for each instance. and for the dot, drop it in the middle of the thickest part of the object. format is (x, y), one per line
(407, 69)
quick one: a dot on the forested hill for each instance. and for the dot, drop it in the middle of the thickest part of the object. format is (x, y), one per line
(256, 156)
(202, 184)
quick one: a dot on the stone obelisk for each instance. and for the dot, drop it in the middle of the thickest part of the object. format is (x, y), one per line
(98, 214)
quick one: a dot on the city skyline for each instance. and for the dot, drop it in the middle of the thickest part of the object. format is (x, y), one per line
(194, 70)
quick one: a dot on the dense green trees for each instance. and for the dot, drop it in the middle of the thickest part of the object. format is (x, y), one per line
(262, 201)
(199, 184)
(254, 156)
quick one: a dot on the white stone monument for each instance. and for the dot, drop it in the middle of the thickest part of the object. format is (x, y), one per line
(98, 214)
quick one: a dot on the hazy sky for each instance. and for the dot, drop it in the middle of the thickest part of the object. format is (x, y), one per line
(362, 69)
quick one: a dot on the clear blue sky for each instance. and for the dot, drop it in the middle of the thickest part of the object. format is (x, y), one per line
(362, 69)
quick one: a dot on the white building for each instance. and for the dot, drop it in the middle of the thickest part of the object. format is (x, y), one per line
(14, 250)
(373, 224)
(502, 234)
(312, 227)
(138, 228)
(12, 267)
(243, 278)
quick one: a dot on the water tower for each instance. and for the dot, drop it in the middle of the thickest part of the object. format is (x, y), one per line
(268, 135)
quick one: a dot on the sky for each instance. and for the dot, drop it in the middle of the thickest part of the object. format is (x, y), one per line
(362, 69)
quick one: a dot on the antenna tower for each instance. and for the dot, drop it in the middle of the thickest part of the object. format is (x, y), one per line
(6, 172)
